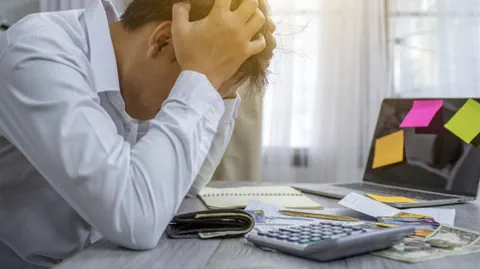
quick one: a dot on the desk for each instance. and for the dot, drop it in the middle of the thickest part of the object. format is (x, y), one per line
(237, 253)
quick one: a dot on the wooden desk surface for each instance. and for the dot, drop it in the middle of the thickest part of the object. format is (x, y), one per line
(237, 253)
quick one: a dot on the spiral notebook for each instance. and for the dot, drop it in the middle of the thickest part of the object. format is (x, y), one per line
(239, 197)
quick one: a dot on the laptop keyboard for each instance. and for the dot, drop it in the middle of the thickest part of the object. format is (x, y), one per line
(394, 192)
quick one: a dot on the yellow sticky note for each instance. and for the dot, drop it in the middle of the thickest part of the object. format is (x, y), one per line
(391, 199)
(384, 225)
(465, 123)
(389, 150)
(423, 232)
(406, 215)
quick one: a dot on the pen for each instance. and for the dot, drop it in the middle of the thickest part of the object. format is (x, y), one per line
(317, 216)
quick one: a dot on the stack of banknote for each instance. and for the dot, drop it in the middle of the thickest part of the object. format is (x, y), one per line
(424, 225)
(444, 241)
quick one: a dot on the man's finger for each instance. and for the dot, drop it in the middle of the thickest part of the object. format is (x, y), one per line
(257, 46)
(271, 41)
(223, 4)
(255, 24)
(271, 26)
(247, 9)
(181, 15)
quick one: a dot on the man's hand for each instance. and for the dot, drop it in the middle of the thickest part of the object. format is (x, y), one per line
(228, 90)
(220, 43)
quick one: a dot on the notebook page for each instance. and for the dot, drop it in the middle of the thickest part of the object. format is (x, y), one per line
(239, 197)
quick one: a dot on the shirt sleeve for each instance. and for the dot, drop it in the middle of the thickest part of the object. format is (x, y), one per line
(51, 113)
(219, 146)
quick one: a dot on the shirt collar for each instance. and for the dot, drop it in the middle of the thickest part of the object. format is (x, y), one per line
(102, 56)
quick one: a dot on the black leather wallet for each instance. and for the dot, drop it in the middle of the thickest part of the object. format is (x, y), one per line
(209, 224)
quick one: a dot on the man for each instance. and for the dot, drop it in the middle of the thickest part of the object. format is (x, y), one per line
(107, 124)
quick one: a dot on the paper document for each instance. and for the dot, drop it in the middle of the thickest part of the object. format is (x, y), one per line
(389, 150)
(422, 113)
(367, 206)
(375, 209)
(274, 220)
(441, 215)
(464, 123)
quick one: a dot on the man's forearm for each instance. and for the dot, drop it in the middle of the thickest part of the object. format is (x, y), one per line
(219, 146)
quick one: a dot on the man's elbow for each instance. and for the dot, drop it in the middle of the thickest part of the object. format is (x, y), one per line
(143, 239)
(144, 235)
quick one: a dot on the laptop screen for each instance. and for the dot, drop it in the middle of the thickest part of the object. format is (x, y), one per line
(432, 135)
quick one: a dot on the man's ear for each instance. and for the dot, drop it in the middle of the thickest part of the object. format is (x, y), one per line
(159, 38)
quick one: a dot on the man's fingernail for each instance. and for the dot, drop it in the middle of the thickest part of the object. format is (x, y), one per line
(185, 5)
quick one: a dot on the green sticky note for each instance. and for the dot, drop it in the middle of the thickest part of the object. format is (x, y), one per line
(466, 122)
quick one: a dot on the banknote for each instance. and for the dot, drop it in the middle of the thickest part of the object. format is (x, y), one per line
(455, 235)
(445, 241)
(258, 215)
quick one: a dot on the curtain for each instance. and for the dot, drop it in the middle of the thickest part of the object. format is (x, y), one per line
(242, 159)
(436, 47)
(330, 75)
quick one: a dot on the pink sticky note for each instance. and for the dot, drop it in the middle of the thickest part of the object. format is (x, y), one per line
(422, 113)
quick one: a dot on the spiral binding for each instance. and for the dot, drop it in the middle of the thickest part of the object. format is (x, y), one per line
(252, 194)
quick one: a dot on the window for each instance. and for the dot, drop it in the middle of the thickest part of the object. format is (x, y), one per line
(294, 70)
(436, 47)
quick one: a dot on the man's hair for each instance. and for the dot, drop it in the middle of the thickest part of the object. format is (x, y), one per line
(141, 12)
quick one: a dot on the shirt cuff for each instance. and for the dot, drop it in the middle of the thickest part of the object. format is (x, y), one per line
(231, 110)
(195, 90)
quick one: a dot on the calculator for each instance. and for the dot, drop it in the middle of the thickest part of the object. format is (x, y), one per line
(326, 241)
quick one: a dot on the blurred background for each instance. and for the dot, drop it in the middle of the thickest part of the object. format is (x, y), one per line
(336, 61)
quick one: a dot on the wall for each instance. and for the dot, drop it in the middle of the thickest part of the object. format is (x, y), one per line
(14, 10)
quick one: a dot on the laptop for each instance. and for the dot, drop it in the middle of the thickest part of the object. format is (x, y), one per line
(438, 167)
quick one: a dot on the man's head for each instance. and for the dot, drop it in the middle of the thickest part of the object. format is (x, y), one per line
(151, 61)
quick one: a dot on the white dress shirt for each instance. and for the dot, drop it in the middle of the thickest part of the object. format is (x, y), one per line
(72, 160)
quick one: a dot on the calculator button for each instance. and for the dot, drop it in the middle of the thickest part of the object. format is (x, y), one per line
(338, 232)
(327, 233)
(348, 230)
(338, 236)
(314, 239)
(272, 235)
(325, 237)
(356, 232)
(287, 230)
(304, 241)
(325, 223)
(282, 237)
(336, 225)
(294, 239)
(304, 226)
(305, 236)
(305, 233)
(346, 226)
(261, 233)
(356, 228)
(316, 234)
